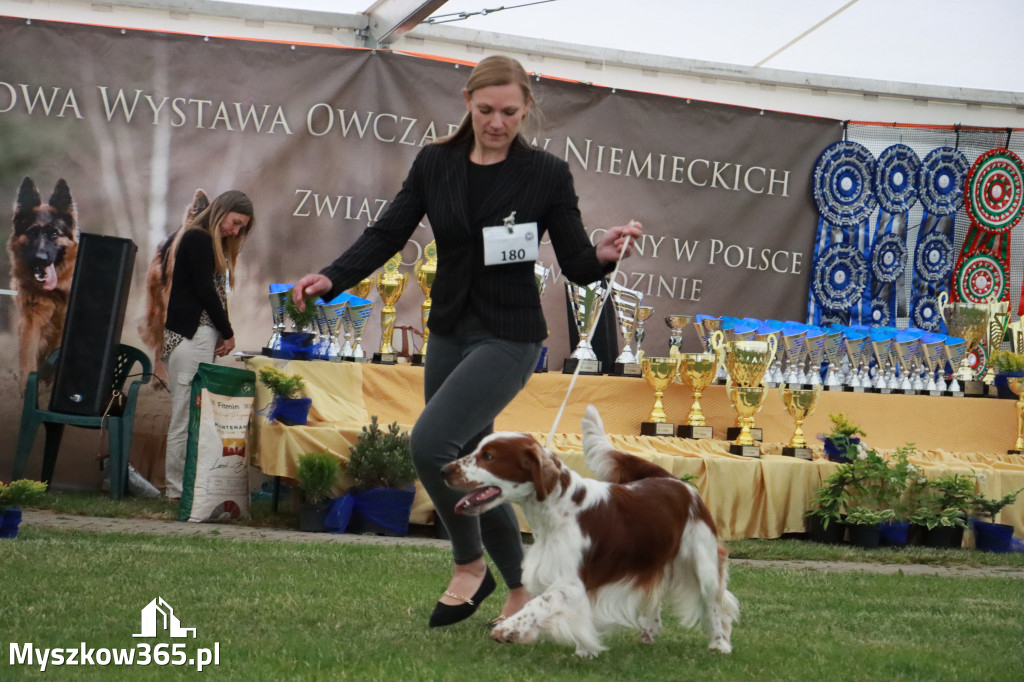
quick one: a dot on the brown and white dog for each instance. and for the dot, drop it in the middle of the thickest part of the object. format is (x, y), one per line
(605, 553)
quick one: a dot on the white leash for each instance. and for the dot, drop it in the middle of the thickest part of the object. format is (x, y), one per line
(590, 336)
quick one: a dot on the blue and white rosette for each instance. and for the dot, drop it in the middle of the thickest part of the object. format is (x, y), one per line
(940, 188)
(843, 179)
(895, 185)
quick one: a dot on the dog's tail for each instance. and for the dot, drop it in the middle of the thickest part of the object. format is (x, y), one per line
(596, 446)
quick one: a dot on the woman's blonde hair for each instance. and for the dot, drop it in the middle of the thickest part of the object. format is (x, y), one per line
(494, 70)
(226, 249)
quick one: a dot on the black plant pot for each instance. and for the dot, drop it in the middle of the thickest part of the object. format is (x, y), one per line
(865, 535)
(833, 535)
(311, 517)
(949, 537)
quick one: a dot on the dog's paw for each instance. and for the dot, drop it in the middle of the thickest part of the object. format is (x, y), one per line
(584, 652)
(720, 644)
(506, 632)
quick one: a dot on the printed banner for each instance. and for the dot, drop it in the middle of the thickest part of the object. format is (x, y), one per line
(321, 138)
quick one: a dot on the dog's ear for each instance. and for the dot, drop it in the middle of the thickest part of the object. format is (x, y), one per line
(543, 469)
(25, 205)
(61, 201)
(200, 202)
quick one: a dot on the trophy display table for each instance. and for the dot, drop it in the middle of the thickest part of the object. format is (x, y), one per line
(748, 498)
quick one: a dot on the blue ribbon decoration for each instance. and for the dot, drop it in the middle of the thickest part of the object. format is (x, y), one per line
(842, 186)
(940, 189)
(895, 185)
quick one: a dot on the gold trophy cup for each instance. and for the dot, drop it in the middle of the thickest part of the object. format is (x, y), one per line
(659, 373)
(696, 370)
(425, 270)
(390, 285)
(747, 401)
(800, 404)
(746, 362)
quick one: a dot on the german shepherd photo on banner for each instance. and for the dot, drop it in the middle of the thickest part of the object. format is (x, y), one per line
(43, 248)
(158, 284)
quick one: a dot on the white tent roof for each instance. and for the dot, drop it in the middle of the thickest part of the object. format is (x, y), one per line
(935, 42)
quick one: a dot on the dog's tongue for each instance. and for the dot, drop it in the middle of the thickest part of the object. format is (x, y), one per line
(476, 498)
(50, 281)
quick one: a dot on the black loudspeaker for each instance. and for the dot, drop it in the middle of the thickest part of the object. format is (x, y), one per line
(92, 328)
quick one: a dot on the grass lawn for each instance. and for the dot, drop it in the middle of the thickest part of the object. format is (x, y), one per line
(283, 611)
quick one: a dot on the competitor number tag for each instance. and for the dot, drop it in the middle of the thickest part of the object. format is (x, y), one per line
(510, 243)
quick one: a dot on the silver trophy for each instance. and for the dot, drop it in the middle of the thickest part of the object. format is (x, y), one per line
(815, 342)
(833, 353)
(643, 313)
(359, 313)
(676, 325)
(541, 273)
(627, 307)
(585, 303)
(795, 345)
(277, 301)
(333, 315)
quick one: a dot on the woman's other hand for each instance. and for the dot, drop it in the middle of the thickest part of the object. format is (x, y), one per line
(224, 347)
(610, 245)
(310, 285)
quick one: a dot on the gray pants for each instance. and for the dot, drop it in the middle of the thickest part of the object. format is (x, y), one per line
(470, 376)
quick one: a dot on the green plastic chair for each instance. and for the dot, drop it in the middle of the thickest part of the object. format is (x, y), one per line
(119, 426)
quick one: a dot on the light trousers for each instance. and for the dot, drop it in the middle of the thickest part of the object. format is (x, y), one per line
(181, 368)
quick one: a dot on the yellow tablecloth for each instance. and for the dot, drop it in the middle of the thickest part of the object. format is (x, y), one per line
(748, 498)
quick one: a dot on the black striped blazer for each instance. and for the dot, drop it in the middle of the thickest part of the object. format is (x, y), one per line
(535, 184)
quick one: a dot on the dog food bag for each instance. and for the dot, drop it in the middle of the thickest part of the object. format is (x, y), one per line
(216, 481)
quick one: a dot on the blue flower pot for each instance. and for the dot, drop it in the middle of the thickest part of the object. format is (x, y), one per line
(893, 534)
(992, 537)
(291, 411)
(835, 453)
(9, 522)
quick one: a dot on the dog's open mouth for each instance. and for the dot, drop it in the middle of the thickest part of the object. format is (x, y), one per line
(47, 276)
(477, 499)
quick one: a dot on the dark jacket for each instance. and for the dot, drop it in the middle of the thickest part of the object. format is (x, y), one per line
(192, 287)
(535, 184)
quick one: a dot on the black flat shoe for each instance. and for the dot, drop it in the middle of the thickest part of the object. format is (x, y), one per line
(445, 614)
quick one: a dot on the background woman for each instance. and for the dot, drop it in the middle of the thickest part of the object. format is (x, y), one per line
(486, 323)
(197, 327)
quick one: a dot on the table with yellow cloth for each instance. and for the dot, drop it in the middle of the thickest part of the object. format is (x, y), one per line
(748, 498)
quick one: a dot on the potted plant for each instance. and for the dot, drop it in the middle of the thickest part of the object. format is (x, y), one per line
(868, 488)
(298, 343)
(287, 408)
(990, 536)
(842, 443)
(317, 474)
(17, 494)
(1006, 363)
(826, 521)
(940, 507)
(380, 465)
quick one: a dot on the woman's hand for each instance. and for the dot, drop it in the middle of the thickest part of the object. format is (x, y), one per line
(224, 347)
(610, 246)
(310, 285)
